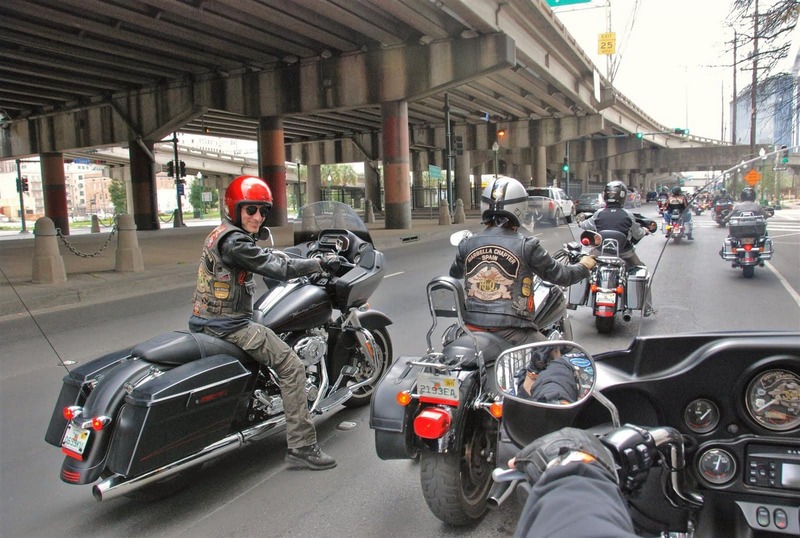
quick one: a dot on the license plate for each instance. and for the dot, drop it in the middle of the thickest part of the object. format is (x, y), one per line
(434, 387)
(606, 297)
(75, 439)
(748, 240)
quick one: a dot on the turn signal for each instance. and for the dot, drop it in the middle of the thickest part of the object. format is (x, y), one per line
(72, 411)
(432, 423)
(593, 288)
(496, 409)
(403, 398)
(620, 290)
(98, 423)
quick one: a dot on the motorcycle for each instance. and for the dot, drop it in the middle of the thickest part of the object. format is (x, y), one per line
(747, 245)
(611, 287)
(141, 420)
(721, 211)
(440, 407)
(722, 418)
(662, 204)
(698, 207)
(676, 227)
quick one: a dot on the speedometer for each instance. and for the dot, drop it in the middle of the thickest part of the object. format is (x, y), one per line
(773, 400)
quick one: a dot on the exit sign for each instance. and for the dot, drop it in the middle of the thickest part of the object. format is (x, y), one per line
(558, 3)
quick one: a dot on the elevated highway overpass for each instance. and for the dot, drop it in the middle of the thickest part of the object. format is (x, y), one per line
(321, 81)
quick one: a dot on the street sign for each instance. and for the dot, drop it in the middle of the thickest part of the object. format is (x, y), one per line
(206, 196)
(779, 168)
(558, 3)
(607, 43)
(434, 171)
(752, 177)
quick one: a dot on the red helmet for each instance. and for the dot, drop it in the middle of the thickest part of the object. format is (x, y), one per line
(245, 190)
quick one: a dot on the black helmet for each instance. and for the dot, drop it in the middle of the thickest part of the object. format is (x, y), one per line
(723, 192)
(676, 190)
(748, 194)
(615, 193)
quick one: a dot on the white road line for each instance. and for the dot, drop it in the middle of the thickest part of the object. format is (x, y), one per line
(785, 283)
(394, 274)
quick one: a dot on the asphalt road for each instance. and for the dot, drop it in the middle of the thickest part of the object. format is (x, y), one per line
(253, 493)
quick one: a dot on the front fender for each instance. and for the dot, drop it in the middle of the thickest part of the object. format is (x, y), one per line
(373, 319)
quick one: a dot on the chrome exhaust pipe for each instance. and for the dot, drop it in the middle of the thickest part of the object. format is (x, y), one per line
(505, 482)
(118, 485)
(626, 315)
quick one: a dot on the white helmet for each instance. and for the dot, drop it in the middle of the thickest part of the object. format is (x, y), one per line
(505, 197)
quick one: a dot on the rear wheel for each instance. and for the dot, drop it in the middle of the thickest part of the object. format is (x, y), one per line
(748, 271)
(363, 395)
(456, 484)
(604, 325)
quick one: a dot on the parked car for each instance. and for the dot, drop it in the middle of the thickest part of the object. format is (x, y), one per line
(589, 202)
(652, 196)
(561, 206)
(634, 199)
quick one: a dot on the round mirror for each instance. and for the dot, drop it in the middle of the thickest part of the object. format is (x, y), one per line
(458, 237)
(554, 373)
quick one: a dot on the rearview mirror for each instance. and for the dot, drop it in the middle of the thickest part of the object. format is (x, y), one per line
(458, 237)
(556, 373)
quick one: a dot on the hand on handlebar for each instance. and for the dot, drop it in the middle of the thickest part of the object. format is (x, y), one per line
(588, 261)
(634, 451)
(330, 263)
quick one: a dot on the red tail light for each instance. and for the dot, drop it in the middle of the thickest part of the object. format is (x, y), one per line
(748, 248)
(98, 423)
(432, 423)
(72, 411)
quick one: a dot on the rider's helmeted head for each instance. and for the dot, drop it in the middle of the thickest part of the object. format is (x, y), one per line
(614, 193)
(748, 194)
(723, 192)
(676, 190)
(245, 191)
(504, 202)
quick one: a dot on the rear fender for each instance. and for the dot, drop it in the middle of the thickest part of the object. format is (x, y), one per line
(448, 443)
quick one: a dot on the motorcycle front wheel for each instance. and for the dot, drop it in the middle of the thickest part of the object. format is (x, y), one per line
(363, 395)
(456, 484)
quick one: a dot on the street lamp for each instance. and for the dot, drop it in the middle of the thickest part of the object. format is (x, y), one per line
(495, 147)
(199, 177)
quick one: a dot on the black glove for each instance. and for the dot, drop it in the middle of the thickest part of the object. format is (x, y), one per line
(534, 459)
(635, 452)
(330, 264)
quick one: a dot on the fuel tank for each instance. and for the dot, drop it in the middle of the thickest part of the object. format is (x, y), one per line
(293, 307)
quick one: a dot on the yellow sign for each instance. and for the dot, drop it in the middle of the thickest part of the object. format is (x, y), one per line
(607, 43)
(752, 177)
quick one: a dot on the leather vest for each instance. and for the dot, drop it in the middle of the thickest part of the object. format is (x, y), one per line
(498, 281)
(222, 291)
(616, 219)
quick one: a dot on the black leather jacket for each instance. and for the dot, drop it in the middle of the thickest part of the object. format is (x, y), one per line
(498, 265)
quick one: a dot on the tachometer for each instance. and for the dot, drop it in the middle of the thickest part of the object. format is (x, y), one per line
(773, 400)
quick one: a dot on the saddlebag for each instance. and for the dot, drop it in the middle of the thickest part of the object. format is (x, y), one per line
(388, 418)
(638, 279)
(76, 387)
(577, 294)
(178, 414)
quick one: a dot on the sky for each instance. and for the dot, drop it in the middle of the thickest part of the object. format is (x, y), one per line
(674, 63)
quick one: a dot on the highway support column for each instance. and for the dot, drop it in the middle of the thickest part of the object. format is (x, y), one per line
(143, 185)
(396, 165)
(272, 166)
(54, 190)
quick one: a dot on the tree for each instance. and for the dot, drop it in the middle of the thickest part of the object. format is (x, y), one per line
(196, 195)
(775, 23)
(116, 190)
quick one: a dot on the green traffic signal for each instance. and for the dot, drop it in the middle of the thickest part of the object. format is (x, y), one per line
(639, 135)
(785, 157)
(565, 166)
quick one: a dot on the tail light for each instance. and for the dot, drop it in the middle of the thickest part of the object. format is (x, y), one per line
(748, 248)
(98, 423)
(72, 411)
(432, 423)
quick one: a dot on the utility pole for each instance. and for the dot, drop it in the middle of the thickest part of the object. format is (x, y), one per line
(735, 97)
(753, 84)
(21, 197)
(178, 222)
(448, 152)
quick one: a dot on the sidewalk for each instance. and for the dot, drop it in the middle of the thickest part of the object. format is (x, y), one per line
(170, 256)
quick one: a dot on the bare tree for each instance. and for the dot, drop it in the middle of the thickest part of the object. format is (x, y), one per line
(775, 23)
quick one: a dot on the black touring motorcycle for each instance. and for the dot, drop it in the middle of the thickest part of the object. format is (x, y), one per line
(441, 407)
(139, 420)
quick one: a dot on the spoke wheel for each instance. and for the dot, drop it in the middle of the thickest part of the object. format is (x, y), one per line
(363, 395)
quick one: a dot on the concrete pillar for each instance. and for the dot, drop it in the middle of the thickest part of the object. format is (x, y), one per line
(477, 173)
(444, 213)
(582, 172)
(459, 217)
(396, 165)
(418, 190)
(540, 177)
(143, 198)
(369, 215)
(462, 168)
(526, 174)
(314, 183)
(54, 190)
(272, 166)
(123, 173)
(129, 255)
(48, 265)
(95, 225)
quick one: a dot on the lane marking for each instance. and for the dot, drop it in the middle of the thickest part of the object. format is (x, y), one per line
(785, 283)
(394, 274)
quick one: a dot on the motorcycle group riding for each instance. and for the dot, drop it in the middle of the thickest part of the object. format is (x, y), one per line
(506, 403)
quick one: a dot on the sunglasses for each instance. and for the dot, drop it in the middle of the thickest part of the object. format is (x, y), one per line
(251, 210)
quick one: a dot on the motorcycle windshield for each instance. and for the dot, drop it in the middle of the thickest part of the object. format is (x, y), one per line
(313, 218)
(550, 224)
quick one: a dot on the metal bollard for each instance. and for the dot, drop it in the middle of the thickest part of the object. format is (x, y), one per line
(444, 213)
(48, 265)
(369, 214)
(129, 255)
(459, 217)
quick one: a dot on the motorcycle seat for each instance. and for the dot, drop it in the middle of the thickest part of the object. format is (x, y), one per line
(491, 344)
(182, 347)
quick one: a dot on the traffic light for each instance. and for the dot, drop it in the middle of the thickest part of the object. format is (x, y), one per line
(565, 166)
(459, 145)
(183, 169)
(170, 169)
(639, 135)
(679, 131)
(784, 155)
(25, 184)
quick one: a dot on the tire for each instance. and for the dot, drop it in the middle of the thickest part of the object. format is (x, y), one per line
(456, 484)
(363, 395)
(571, 217)
(163, 488)
(748, 271)
(604, 325)
(566, 328)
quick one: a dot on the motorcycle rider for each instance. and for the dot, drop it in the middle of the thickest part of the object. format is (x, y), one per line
(663, 196)
(748, 204)
(616, 218)
(498, 265)
(722, 198)
(549, 378)
(223, 305)
(678, 200)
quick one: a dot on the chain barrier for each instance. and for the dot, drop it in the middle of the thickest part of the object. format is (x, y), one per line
(81, 254)
(110, 222)
(171, 216)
